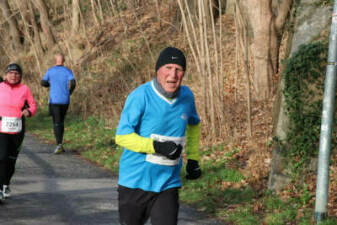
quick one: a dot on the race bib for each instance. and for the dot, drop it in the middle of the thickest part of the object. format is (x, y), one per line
(160, 159)
(11, 124)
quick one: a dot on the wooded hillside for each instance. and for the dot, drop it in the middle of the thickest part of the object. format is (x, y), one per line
(108, 42)
(112, 47)
(234, 49)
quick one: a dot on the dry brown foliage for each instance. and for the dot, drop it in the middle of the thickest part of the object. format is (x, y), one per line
(112, 59)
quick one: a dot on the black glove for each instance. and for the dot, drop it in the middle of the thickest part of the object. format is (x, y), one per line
(168, 148)
(192, 169)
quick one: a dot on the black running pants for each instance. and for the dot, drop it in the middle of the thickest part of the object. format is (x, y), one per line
(58, 113)
(9, 151)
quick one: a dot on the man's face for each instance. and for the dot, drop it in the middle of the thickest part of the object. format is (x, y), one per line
(13, 77)
(170, 77)
(59, 60)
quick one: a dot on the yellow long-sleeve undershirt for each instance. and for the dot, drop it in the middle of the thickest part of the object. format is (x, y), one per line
(137, 143)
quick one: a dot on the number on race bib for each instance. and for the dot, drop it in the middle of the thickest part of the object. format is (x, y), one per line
(11, 124)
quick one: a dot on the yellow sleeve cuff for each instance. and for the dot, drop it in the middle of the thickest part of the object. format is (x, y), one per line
(192, 139)
(135, 143)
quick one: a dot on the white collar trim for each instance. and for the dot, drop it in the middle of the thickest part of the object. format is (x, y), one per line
(162, 96)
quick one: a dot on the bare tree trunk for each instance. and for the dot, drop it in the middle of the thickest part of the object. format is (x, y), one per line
(211, 108)
(13, 25)
(30, 26)
(230, 5)
(219, 94)
(202, 58)
(282, 11)
(193, 6)
(261, 19)
(222, 76)
(45, 23)
(93, 8)
(75, 17)
(243, 40)
(210, 7)
(24, 11)
(37, 39)
(267, 19)
(236, 57)
(101, 14)
(158, 12)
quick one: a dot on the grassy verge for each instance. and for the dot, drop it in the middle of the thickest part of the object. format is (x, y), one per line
(88, 137)
(221, 191)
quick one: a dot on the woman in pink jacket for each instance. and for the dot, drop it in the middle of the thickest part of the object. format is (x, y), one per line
(16, 103)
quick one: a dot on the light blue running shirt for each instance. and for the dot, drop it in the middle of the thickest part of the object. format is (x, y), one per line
(58, 78)
(148, 113)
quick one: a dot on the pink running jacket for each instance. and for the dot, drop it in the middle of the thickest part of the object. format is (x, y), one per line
(13, 98)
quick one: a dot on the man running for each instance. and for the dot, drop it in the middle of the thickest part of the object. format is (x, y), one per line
(62, 83)
(158, 118)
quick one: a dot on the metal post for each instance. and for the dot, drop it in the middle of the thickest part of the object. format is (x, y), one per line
(326, 126)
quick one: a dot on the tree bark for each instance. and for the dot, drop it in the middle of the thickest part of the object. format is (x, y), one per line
(195, 9)
(36, 29)
(30, 26)
(45, 22)
(93, 8)
(230, 5)
(14, 31)
(75, 16)
(23, 8)
(194, 5)
(242, 39)
(100, 9)
(267, 19)
(261, 19)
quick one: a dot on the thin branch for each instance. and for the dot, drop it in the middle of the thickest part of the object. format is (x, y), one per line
(188, 35)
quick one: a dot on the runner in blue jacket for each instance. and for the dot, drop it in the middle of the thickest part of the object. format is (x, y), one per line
(62, 83)
(158, 120)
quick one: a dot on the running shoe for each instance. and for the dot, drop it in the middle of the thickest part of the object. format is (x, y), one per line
(59, 149)
(6, 192)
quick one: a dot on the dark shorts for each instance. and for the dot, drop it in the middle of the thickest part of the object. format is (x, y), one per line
(136, 206)
(58, 112)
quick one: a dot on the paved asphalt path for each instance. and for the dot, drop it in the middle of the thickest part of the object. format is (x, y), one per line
(65, 189)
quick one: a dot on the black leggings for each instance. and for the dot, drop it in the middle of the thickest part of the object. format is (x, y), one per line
(58, 112)
(9, 151)
(136, 206)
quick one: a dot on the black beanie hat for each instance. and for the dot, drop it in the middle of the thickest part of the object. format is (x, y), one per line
(13, 67)
(171, 55)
